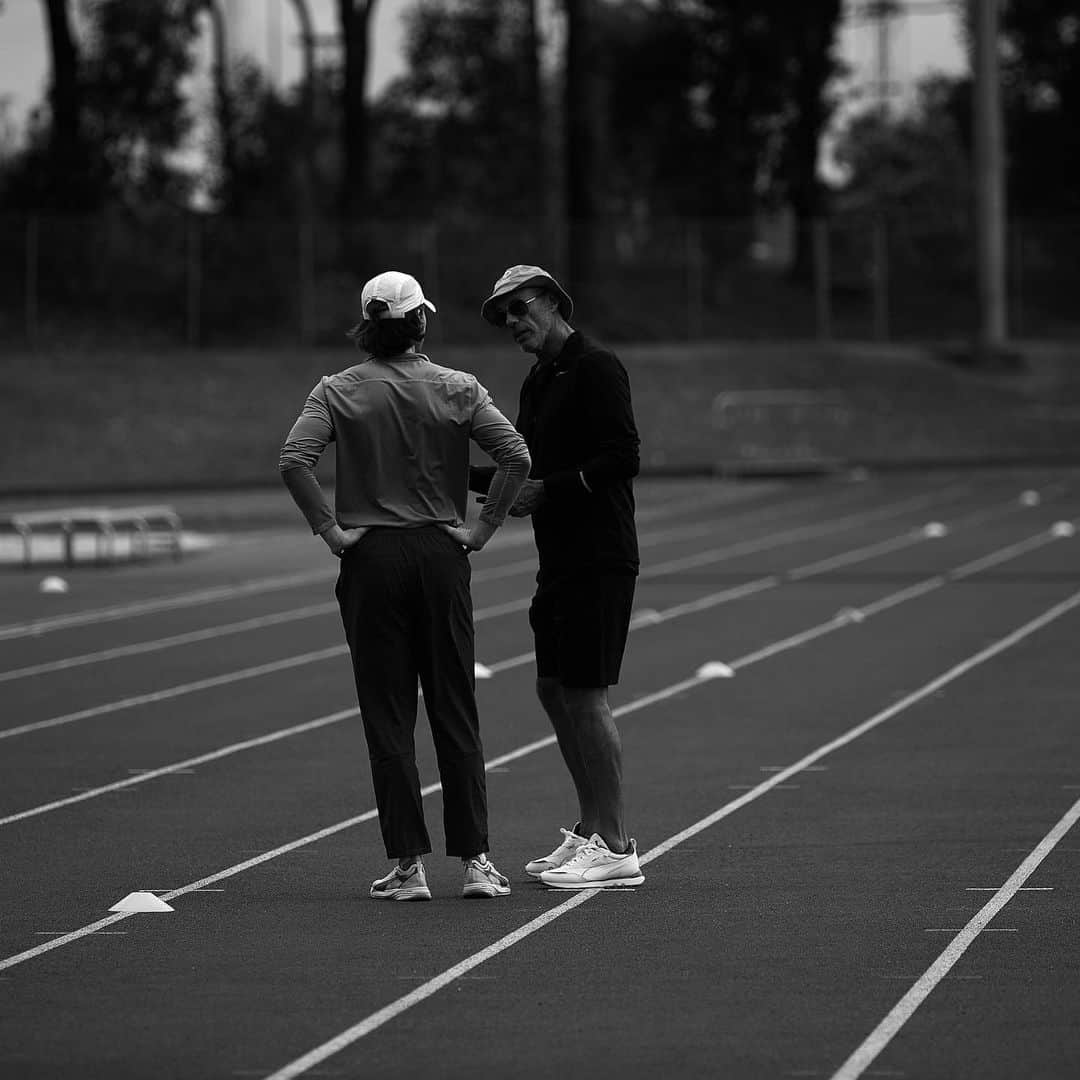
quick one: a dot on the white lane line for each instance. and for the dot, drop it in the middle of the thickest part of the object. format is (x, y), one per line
(959, 929)
(38, 627)
(163, 603)
(788, 536)
(178, 691)
(201, 885)
(933, 686)
(905, 1008)
(377, 1019)
(294, 614)
(218, 680)
(485, 574)
(994, 888)
(502, 609)
(920, 588)
(141, 647)
(654, 618)
(181, 766)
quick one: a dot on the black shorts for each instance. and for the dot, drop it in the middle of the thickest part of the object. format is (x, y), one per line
(580, 627)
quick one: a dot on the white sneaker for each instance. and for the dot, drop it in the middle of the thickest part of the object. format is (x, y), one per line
(562, 854)
(595, 866)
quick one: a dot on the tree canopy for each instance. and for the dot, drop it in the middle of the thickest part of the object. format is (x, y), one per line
(622, 108)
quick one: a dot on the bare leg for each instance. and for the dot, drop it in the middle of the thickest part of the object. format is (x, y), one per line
(599, 749)
(550, 692)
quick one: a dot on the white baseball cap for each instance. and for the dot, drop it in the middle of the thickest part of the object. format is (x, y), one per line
(400, 292)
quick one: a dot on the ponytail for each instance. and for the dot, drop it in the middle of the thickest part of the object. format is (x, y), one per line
(387, 337)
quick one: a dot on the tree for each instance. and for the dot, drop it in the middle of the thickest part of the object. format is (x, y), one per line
(461, 132)
(913, 168)
(354, 21)
(55, 171)
(1041, 76)
(137, 115)
(807, 37)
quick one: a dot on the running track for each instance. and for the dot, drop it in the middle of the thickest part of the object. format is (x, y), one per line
(852, 766)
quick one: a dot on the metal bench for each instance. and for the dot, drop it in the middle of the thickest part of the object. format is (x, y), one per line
(104, 523)
(772, 428)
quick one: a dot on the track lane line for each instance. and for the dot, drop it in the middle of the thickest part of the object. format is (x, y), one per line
(484, 574)
(38, 627)
(278, 618)
(382, 1016)
(871, 1048)
(774, 780)
(651, 619)
(703, 558)
(330, 830)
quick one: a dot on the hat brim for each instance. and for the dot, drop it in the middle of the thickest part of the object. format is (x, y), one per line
(549, 284)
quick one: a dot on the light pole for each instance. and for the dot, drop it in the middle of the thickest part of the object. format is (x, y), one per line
(989, 183)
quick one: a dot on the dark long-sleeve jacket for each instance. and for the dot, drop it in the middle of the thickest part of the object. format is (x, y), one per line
(576, 416)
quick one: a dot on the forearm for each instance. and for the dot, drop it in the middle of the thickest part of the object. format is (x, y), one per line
(309, 496)
(505, 485)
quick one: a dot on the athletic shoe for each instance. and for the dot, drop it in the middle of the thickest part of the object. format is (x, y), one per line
(483, 881)
(407, 884)
(562, 854)
(595, 866)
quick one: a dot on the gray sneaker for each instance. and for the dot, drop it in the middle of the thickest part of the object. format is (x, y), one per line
(483, 881)
(408, 884)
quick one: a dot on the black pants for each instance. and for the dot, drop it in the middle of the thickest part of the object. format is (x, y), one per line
(407, 609)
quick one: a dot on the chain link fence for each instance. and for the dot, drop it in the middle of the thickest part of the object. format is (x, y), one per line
(182, 279)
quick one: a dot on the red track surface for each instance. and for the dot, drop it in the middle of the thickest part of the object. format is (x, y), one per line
(820, 831)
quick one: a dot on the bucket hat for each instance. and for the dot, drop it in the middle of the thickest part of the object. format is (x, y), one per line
(517, 277)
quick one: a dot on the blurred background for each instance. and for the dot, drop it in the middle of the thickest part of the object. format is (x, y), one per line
(817, 232)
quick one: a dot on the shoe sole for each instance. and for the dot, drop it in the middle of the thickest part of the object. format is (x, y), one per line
(610, 883)
(403, 894)
(483, 892)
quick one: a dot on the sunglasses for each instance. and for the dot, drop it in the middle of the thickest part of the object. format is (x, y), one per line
(518, 308)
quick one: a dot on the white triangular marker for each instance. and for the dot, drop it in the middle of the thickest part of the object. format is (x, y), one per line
(1063, 528)
(481, 671)
(934, 528)
(715, 669)
(53, 584)
(141, 901)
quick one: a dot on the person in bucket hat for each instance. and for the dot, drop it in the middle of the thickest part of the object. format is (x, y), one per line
(401, 426)
(576, 415)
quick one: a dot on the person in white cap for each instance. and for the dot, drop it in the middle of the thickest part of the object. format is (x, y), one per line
(576, 415)
(401, 426)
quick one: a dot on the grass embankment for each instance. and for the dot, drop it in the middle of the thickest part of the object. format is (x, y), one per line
(74, 421)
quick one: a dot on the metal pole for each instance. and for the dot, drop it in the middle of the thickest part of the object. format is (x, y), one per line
(881, 281)
(194, 280)
(436, 328)
(989, 181)
(32, 278)
(306, 269)
(822, 279)
(695, 281)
